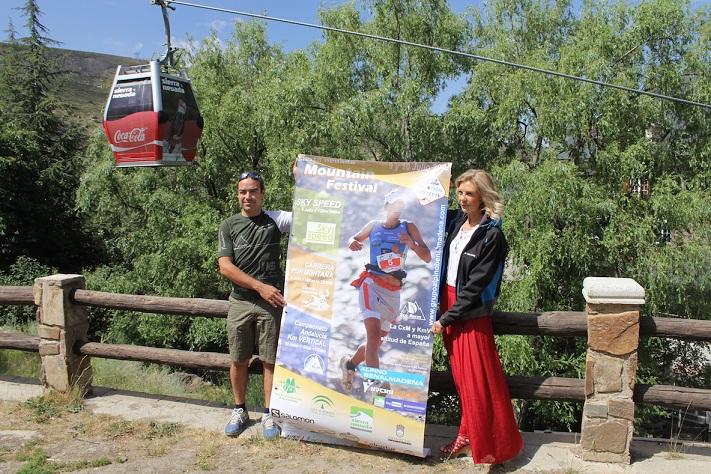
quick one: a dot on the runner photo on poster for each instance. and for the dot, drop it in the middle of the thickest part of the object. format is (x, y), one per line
(362, 284)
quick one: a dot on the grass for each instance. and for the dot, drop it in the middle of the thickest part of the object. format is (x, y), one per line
(159, 380)
(20, 364)
(135, 376)
(119, 428)
(53, 404)
(222, 392)
(162, 430)
(675, 445)
(132, 376)
(205, 457)
(37, 462)
(115, 429)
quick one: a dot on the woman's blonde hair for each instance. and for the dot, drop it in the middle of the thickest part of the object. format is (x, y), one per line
(492, 202)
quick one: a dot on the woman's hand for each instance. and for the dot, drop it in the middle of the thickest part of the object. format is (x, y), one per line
(436, 328)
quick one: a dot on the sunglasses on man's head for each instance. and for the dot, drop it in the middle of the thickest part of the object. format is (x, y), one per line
(251, 174)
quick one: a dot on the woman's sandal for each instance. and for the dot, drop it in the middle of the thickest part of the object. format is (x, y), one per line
(460, 445)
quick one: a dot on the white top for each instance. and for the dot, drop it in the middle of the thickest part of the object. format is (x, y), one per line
(282, 220)
(456, 247)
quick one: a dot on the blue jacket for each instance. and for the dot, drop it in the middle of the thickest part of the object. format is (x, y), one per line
(480, 270)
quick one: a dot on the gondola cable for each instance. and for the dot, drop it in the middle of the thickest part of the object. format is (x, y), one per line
(445, 51)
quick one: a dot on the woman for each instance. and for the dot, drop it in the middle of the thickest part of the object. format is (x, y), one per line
(474, 255)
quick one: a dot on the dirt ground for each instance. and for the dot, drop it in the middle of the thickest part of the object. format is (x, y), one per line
(128, 432)
(45, 435)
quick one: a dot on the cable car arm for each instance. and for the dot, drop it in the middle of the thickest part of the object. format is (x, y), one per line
(167, 58)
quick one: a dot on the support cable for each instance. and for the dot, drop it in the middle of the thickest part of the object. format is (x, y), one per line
(443, 50)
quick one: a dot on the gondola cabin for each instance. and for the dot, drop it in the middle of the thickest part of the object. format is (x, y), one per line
(151, 118)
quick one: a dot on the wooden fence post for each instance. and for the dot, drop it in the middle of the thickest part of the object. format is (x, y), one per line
(610, 367)
(60, 324)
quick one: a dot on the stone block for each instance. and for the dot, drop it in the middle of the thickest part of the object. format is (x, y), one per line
(62, 280)
(616, 334)
(595, 410)
(37, 293)
(48, 332)
(607, 290)
(48, 348)
(52, 308)
(608, 375)
(70, 337)
(596, 456)
(621, 408)
(630, 372)
(76, 316)
(589, 376)
(54, 373)
(609, 436)
(51, 294)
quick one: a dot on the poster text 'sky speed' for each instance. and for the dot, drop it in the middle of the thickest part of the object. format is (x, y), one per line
(362, 284)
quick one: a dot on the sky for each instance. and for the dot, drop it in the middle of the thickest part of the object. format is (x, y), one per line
(134, 28)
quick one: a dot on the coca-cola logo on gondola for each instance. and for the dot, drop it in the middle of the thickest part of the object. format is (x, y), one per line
(133, 136)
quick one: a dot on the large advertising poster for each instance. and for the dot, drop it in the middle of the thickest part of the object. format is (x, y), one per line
(362, 280)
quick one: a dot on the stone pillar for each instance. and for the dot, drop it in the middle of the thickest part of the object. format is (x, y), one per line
(60, 324)
(610, 367)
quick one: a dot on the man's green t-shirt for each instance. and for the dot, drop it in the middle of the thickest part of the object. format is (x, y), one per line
(253, 244)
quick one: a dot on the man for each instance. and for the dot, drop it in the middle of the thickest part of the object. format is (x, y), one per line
(249, 258)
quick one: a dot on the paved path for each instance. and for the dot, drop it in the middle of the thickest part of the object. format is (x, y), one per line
(544, 452)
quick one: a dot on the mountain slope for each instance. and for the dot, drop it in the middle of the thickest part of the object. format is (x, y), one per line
(85, 79)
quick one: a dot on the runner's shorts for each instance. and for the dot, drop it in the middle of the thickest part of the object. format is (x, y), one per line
(378, 302)
(250, 324)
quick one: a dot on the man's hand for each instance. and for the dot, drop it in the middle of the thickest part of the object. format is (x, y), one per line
(271, 295)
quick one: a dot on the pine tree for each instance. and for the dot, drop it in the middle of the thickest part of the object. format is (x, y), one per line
(11, 32)
(38, 143)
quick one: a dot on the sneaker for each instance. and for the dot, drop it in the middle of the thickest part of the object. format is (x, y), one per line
(237, 423)
(270, 430)
(347, 374)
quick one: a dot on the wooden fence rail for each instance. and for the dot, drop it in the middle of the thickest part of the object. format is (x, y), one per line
(16, 295)
(153, 304)
(551, 323)
(523, 387)
(19, 341)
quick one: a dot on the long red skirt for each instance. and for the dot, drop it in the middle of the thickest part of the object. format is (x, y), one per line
(487, 415)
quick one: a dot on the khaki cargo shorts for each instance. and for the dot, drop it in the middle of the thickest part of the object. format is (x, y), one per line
(250, 324)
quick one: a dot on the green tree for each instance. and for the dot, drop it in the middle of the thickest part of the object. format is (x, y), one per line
(38, 169)
(374, 97)
(568, 156)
